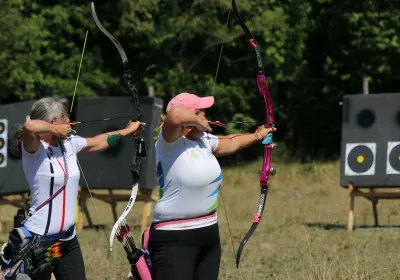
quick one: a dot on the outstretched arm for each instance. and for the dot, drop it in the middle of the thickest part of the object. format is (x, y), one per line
(233, 143)
(103, 141)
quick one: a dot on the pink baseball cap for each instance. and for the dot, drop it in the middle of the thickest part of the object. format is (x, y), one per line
(190, 101)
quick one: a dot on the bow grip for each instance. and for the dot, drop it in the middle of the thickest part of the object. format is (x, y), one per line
(268, 139)
(137, 132)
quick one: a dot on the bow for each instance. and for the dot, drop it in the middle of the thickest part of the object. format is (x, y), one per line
(120, 227)
(267, 170)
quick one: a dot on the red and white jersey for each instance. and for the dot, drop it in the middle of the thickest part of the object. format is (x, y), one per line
(45, 172)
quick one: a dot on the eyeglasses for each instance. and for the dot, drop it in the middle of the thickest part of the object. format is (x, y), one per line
(62, 118)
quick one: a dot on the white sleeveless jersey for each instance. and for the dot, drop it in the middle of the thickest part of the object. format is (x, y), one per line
(45, 171)
(189, 176)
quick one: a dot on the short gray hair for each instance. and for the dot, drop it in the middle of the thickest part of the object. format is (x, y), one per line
(49, 108)
(46, 109)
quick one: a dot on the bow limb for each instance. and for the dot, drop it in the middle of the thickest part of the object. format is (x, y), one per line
(127, 76)
(128, 208)
(121, 50)
(267, 170)
(256, 220)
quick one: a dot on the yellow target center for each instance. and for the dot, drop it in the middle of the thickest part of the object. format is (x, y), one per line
(360, 159)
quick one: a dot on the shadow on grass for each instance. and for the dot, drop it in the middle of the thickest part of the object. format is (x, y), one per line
(96, 227)
(104, 227)
(344, 227)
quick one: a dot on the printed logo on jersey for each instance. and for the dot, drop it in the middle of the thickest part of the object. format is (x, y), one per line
(215, 192)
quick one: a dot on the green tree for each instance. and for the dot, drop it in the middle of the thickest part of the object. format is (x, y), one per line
(348, 40)
(314, 53)
(40, 52)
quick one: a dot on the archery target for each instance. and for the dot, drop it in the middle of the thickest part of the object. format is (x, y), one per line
(393, 158)
(3, 142)
(366, 118)
(360, 159)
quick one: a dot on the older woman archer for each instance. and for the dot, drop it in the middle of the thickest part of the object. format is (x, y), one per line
(49, 161)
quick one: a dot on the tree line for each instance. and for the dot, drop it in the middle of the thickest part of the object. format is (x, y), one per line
(314, 52)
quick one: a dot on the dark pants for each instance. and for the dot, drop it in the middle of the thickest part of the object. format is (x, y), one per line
(71, 266)
(185, 254)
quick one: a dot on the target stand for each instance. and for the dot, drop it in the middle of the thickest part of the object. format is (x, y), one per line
(372, 196)
(109, 196)
(147, 196)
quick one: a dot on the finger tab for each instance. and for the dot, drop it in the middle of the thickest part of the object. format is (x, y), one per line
(137, 132)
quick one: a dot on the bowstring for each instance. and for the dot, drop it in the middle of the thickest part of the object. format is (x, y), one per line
(77, 160)
(220, 54)
(212, 93)
(79, 71)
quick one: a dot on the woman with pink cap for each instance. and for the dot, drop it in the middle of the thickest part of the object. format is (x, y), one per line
(184, 239)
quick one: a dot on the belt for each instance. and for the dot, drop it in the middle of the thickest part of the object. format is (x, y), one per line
(176, 222)
(53, 237)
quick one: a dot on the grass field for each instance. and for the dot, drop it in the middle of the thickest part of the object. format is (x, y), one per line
(291, 242)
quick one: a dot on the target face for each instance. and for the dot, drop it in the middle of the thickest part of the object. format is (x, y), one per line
(393, 158)
(360, 159)
(3, 143)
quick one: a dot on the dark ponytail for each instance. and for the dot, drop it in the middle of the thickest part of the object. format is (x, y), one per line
(15, 141)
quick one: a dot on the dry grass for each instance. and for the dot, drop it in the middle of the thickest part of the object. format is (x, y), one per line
(291, 241)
